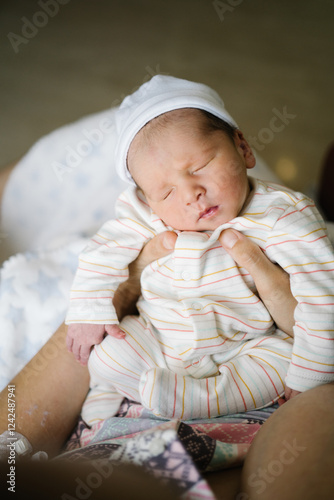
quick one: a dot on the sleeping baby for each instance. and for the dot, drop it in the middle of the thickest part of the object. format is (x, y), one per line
(203, 344)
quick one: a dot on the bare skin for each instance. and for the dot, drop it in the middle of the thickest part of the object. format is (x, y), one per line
(47, 420)
(292, 456)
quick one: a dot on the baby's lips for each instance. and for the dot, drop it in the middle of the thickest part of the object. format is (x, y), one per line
(209, 211)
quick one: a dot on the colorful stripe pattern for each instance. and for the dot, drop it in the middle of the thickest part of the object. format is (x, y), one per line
(202, 312)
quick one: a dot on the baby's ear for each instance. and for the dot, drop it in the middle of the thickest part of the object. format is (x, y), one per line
(244, 149)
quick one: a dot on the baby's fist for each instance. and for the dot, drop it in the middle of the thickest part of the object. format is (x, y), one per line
(81, 337)
(290, 393)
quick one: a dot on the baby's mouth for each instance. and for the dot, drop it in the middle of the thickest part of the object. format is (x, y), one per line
(209, 212)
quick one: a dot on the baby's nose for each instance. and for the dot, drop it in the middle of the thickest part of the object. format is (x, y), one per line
(192, 194)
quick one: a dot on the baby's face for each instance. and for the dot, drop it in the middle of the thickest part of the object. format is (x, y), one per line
(193, 180)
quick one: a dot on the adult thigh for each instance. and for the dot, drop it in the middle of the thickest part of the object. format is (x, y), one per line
(292, 456)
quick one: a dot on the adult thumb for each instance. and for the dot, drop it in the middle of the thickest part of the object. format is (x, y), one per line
(246, 253)
(162, 244)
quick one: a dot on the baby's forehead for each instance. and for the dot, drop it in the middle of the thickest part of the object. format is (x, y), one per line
(178, 115)
(187, 118)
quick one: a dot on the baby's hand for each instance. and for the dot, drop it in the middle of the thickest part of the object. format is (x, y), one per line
(81, 337)
(114, 331)
(289, 394)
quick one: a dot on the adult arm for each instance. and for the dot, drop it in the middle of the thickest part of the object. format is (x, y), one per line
(292, 455)
(272, 283)
(299, 243)
(51, 388)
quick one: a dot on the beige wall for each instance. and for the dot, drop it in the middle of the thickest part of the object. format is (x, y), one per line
(265, 57)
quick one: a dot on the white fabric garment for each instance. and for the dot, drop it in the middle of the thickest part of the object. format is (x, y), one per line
(60, 190)
(203, 310)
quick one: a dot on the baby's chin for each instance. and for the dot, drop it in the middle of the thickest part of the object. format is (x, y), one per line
(210, 220)
(199, 226)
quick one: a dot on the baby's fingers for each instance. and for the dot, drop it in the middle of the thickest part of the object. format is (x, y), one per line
(84, 353)
(290, 393)
(76, 350)
(69, 343)
(115, 331)
(69, 338)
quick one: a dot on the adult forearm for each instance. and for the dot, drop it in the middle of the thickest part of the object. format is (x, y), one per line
(128, 292)
(49, 393)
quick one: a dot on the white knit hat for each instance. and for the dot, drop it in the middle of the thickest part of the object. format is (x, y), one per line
(160, 95)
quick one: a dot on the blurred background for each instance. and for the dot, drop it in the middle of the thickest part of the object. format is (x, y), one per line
(271, 61)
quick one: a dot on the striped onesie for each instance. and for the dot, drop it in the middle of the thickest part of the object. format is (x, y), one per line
(204, 344)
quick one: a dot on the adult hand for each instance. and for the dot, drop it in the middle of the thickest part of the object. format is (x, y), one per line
(128, 292)
(272, 283)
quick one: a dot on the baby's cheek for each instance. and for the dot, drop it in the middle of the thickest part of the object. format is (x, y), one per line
(170, 214)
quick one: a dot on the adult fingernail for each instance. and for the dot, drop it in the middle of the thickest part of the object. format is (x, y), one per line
(168, 243)
(228, 239)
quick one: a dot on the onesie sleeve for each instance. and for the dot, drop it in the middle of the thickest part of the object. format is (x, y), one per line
(299, 244)
(103, 264)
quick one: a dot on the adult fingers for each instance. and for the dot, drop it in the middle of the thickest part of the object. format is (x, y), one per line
(128, 292)
(162, 244)
(247, 254)
(271, 281)
(159, 246)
